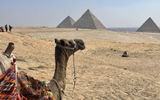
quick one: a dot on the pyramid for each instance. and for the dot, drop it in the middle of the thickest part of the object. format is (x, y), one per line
(66, 23)
(89, 21)
(149, 26)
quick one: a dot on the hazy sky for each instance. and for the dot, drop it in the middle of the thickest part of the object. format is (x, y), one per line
(112, 13)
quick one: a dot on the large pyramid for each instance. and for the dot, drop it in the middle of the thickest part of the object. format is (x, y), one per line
(89, 21)
(149, 26)
(66, 23)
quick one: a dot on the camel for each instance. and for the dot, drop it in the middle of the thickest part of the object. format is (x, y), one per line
(63, 50)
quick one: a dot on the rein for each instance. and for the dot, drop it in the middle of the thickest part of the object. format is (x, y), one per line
(74, 67)
(59, 88)
(75, 78)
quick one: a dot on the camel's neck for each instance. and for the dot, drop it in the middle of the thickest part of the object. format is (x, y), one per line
(61, 59)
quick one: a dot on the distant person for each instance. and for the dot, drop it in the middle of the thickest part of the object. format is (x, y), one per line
(10, 28)
(1, 29)
(6, 28)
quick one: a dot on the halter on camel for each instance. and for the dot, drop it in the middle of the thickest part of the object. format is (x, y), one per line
(68, 48)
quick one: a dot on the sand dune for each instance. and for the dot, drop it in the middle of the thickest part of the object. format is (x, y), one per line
(102, 73)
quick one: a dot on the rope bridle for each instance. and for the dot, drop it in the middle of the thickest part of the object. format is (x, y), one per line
(74, 67)
(75, 78)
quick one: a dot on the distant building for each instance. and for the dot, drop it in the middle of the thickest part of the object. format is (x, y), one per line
(89, 21)
(66, 23)
(149, 26)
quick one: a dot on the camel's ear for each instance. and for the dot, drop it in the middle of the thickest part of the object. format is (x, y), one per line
(56, 40)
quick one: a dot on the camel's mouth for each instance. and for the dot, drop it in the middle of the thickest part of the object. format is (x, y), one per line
(81, 47)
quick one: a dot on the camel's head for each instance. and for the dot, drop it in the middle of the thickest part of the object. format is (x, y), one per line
(70, 46)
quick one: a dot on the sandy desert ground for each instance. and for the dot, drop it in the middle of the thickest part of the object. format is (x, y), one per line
(102, 73)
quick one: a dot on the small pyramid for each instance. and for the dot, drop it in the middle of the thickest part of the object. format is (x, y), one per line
(89, 21)
(149, 26)
(66, 23)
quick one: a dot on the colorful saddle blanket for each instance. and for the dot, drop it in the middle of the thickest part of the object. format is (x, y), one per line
(33, 89)
(8, 86)
(22, 87)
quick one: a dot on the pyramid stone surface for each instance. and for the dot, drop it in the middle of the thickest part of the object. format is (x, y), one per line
(66, 23)
(89, 21)
(149, 26)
